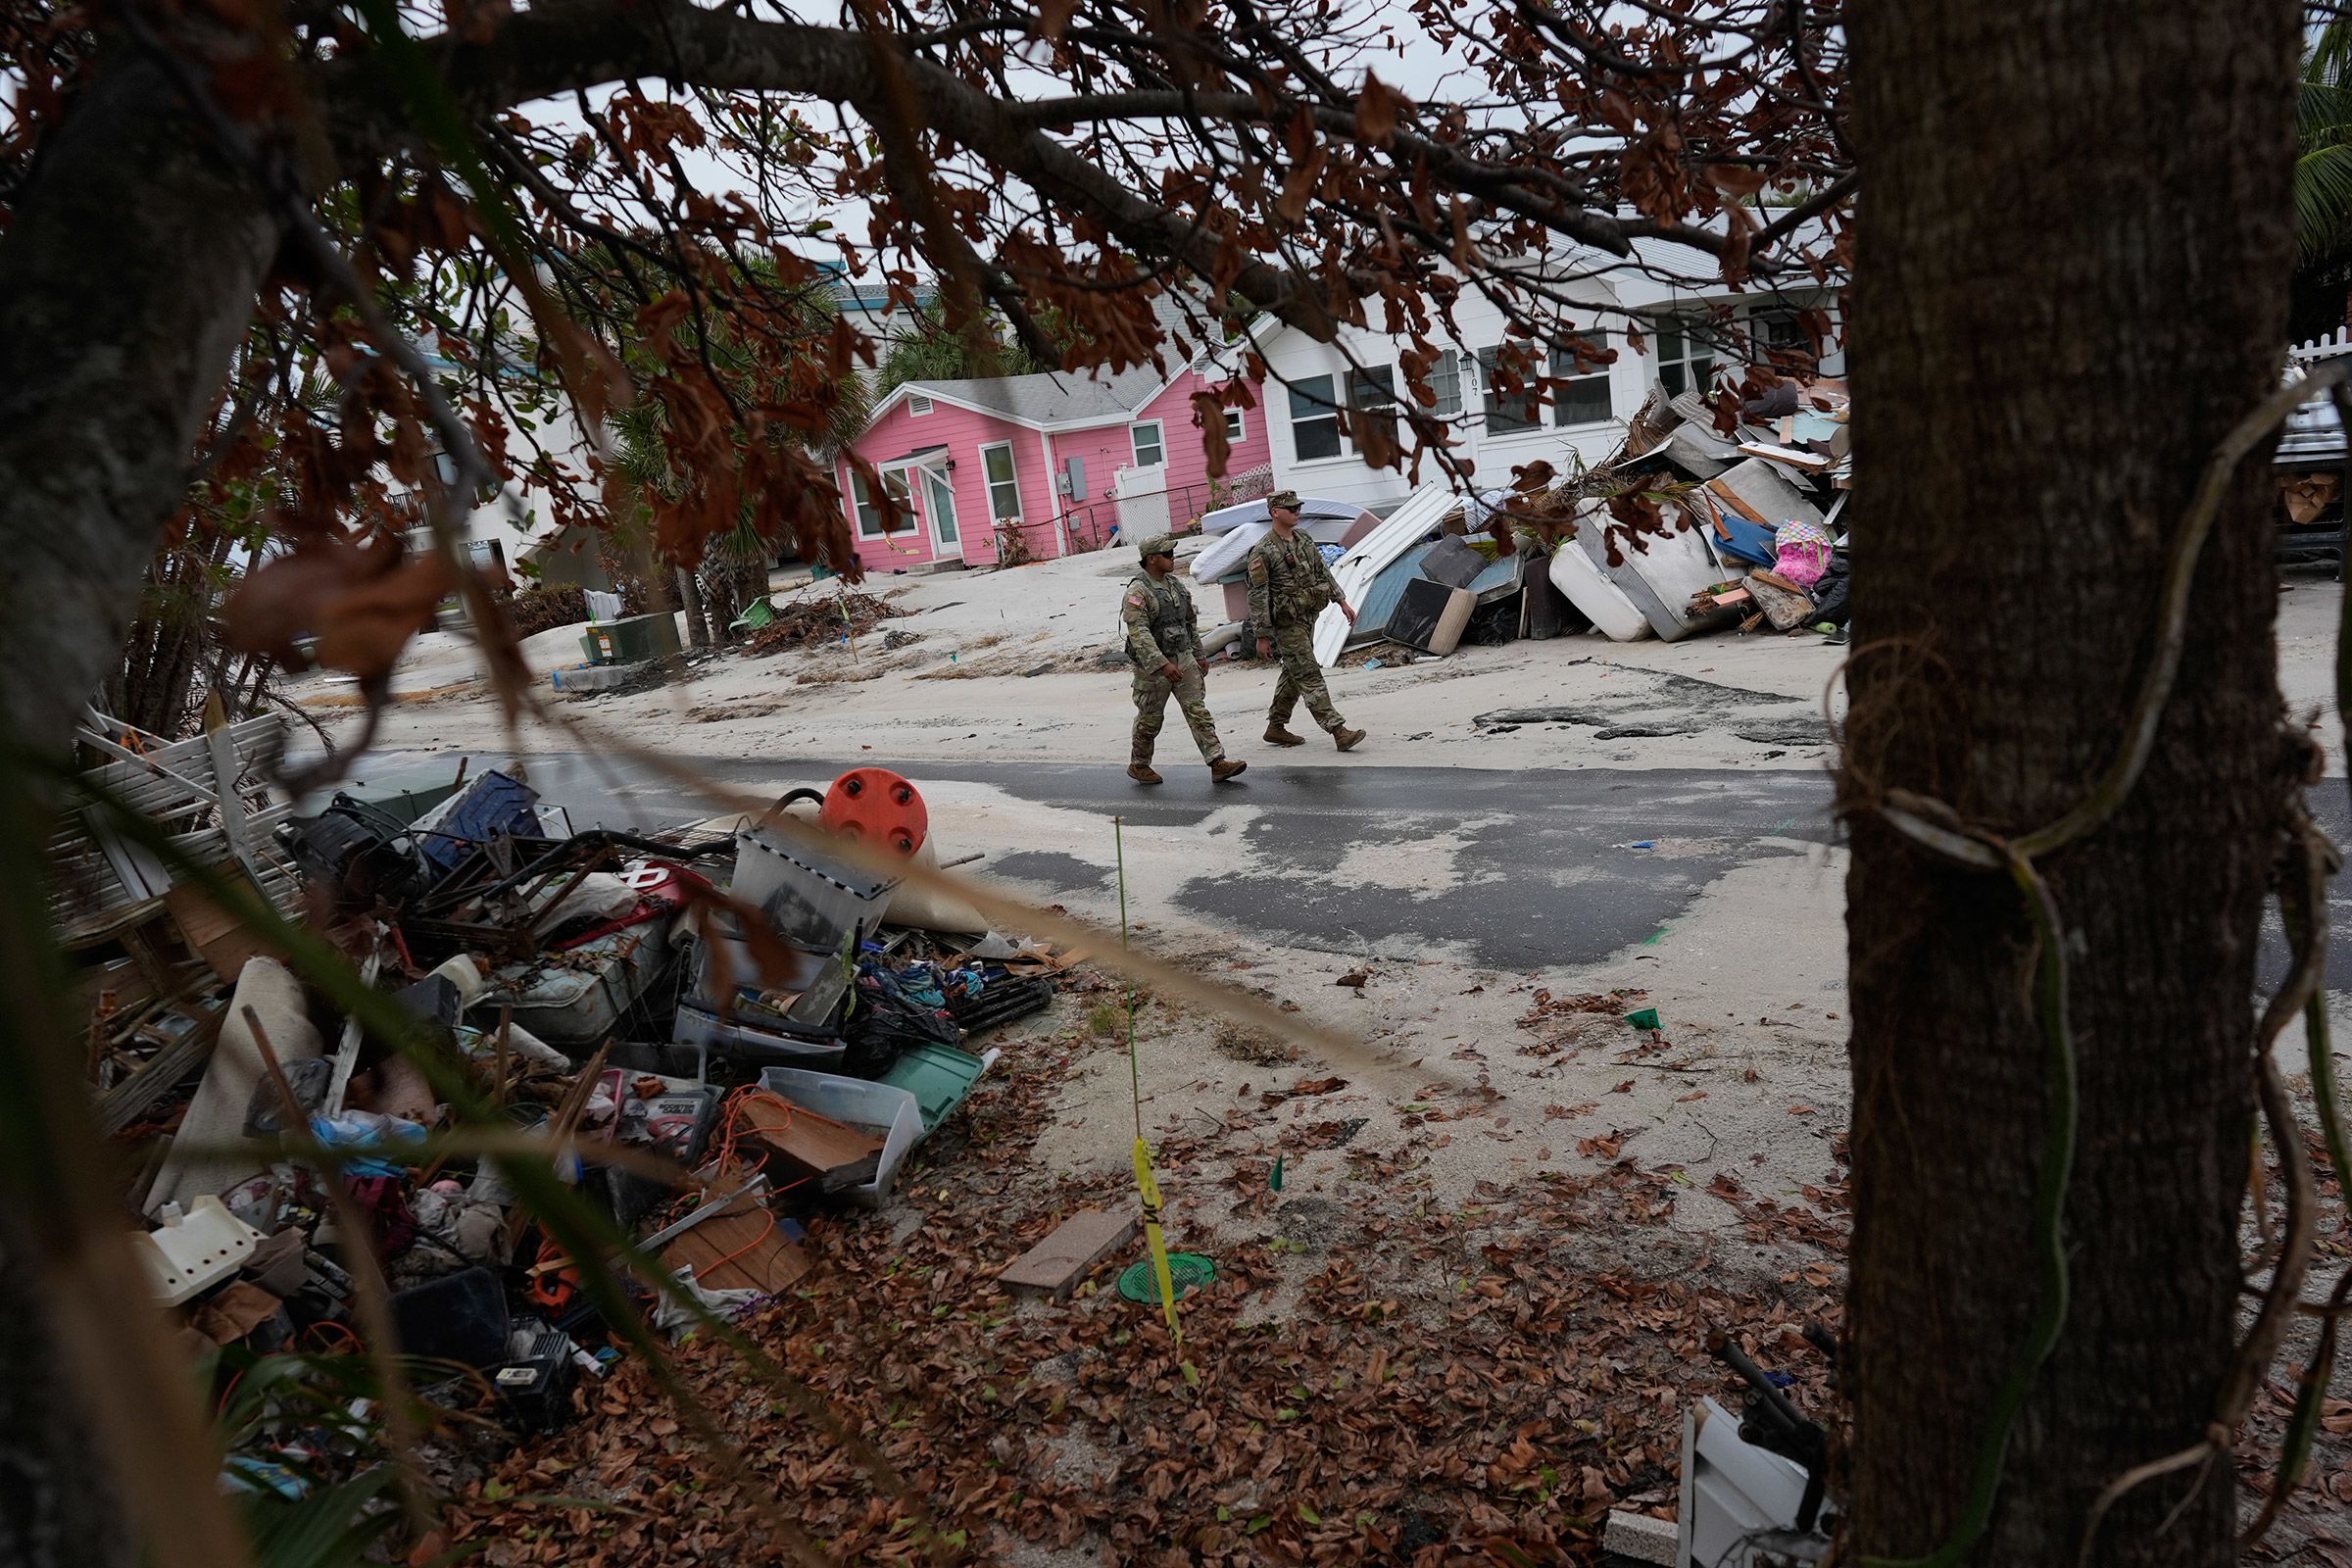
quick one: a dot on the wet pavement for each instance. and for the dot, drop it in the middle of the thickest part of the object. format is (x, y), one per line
(1514, 870)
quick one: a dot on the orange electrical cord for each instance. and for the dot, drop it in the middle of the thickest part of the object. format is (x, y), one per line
(766, 1231)
(329, 1327)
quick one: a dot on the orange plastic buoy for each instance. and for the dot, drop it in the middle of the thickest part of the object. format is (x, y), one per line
(873, 802)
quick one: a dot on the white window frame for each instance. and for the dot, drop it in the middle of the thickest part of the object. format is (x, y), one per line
(1693, 353)
(863, 503)
(1321, 405)
(991, 483)
(1237, 428)
(1160, 443)
(1525, 407)
(1564, 371)
(918, 405)
(1445, 384)
(1372, 395)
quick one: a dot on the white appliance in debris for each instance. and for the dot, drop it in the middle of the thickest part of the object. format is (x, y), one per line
(1739, 1502)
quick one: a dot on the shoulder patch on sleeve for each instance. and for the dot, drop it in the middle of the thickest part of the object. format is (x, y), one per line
(1137, 599)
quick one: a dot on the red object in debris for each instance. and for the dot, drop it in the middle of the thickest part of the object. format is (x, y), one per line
(873, 802)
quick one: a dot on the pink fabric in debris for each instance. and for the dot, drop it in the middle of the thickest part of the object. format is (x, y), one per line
(1803, 551)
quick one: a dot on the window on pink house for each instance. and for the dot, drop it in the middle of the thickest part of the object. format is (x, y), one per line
(869, 513)
(1149, 449)
(1004, 485)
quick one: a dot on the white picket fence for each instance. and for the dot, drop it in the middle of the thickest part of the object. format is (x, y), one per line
(2328, 347)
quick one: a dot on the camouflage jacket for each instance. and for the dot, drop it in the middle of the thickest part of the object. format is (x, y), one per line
(1289, 583)
(1161, 623)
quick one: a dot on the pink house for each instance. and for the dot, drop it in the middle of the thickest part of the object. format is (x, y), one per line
(1056, 459)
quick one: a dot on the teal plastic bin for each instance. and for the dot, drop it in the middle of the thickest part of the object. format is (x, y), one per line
(938, 1077)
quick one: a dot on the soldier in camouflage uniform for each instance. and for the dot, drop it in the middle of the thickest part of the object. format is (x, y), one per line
(1163, 645)
(1289, 587)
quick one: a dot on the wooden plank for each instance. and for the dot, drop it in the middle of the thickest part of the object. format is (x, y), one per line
(346, 1048)
(223, 941)
(224, 783)
(141, 872)
(1732, 498)
(813, 1142)
(1809, 462)
(128, 1100)
(752, 1247)
(1056, 1265)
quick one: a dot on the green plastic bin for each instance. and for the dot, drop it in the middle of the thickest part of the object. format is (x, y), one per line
(938, 1077)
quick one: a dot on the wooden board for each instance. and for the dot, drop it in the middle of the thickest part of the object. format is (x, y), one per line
(813, 1143)
(768, 1262)
(213, 932)
(1795, 458)
(1056, 1265)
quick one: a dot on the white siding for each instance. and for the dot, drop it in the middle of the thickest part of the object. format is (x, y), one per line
(1292, 356)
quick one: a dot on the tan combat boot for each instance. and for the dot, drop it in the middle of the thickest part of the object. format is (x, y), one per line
(1276, 735)
(1225, 767)
(1345, 739)
(1140, 768)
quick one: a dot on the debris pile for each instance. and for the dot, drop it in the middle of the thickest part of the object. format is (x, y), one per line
(1704, 519)
(711, 1040)
(818, 622)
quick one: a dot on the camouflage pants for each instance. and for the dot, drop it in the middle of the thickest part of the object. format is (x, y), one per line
(1301, 676)
(1151, 692)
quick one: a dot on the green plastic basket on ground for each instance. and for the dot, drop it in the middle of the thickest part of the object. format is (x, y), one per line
(1188, 1272)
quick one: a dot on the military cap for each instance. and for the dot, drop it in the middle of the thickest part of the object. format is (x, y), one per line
(1160, 544)
(1287, 500)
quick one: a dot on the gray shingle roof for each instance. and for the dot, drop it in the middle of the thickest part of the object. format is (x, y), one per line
(1058, 397)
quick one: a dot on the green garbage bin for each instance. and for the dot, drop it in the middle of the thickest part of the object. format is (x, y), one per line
(631, 640)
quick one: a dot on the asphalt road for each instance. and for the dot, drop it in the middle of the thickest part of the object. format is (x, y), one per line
(1543, 867)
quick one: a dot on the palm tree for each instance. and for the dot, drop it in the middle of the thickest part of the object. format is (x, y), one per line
(734, 568)
(2323, 182)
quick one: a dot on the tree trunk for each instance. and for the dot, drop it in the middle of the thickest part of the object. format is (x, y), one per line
(2071, 281)
(718, 599)
(134, 247)
(58, 1505)
(690, 594)
(127, 278)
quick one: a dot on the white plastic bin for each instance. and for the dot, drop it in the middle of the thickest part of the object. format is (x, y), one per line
(888, 1113)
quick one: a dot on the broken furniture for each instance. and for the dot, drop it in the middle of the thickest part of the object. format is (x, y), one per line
(210, 792)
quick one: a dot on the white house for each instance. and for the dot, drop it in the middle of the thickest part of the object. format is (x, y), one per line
(1308, 382)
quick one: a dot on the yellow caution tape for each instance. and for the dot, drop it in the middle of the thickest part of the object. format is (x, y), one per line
(1150, 1189)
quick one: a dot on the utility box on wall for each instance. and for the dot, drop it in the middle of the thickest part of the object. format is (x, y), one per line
(1072, 483)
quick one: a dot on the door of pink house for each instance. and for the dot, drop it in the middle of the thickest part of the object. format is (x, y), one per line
(934, 497)
(938, 503)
